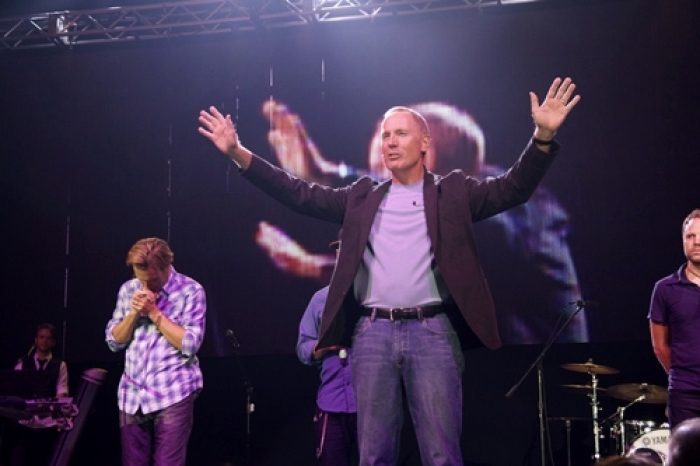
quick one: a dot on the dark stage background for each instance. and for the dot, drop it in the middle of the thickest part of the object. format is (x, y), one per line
(99, 148)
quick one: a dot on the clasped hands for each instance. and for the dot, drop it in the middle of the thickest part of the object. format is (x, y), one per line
(144, 303)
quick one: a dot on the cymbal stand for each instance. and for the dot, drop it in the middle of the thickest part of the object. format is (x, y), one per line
(594, 406)
(620, 415)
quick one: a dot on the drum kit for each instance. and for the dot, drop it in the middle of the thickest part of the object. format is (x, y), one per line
(628, 437)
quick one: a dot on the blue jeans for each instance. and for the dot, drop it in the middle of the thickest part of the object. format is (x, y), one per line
(423, 356)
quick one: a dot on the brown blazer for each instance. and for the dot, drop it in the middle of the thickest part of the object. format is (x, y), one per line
(452, 203)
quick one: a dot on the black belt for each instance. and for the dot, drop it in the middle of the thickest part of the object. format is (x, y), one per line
(399, 313)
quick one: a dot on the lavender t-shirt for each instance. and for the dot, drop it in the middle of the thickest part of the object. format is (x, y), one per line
(398, 268)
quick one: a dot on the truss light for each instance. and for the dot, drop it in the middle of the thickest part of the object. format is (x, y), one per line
(57, 26)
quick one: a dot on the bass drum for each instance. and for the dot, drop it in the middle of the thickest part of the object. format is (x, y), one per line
(652, 445)
(623, 433)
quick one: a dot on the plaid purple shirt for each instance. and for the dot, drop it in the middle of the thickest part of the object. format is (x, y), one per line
(156, 374)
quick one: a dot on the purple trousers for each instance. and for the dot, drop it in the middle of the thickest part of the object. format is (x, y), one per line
(161, 435)
(682, 405)
(336, 438)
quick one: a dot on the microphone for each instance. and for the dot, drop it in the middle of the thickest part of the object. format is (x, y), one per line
(580, 303)
(232, 338)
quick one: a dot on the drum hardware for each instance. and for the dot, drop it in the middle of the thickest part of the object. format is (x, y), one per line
(648, 439)
(582, 389)
(617, 429)
(593, 370)
(650, 394)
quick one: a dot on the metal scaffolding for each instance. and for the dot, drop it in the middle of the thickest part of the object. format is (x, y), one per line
(205, 17)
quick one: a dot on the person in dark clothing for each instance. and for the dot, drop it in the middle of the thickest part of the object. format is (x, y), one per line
(31, 441)
(41, 358)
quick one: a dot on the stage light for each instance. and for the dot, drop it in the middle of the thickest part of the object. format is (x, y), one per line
(57, 24)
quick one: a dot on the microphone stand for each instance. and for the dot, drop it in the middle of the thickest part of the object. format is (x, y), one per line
(249, 405)
(540, 382)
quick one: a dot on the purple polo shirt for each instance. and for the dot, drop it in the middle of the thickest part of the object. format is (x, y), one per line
(675, 302)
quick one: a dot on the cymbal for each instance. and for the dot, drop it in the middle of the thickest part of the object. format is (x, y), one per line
(584, 389)
(589, 367)
(653, 394)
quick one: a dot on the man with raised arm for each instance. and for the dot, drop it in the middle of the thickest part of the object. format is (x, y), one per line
(408, 285)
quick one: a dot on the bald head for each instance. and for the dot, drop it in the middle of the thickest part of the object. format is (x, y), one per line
(684, 446)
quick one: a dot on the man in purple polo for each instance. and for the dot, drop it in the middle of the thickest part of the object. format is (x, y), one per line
(674, 319)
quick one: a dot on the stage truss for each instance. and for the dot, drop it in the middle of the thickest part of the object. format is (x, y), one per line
(206, 17)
